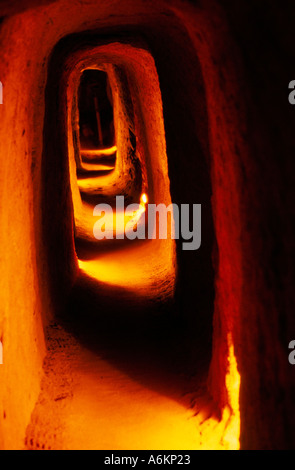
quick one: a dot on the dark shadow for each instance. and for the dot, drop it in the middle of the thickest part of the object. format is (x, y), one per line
(142, 338)
(96, 120)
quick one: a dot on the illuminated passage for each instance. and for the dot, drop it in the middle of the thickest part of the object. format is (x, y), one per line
(126, 391)
(134, 356)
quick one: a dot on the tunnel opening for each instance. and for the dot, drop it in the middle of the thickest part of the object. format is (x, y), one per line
(133, 180)
(153, 329)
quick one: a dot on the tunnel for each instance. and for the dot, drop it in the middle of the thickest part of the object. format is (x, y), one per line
(114, 336)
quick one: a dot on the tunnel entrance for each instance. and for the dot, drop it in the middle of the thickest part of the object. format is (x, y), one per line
(131, 310)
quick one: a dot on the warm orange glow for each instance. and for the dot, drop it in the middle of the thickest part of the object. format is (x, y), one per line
(231, 413)
(111, 409)
(136, 268)
(144, 198)
(92, 167)
(138, 273)
(98, 152)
